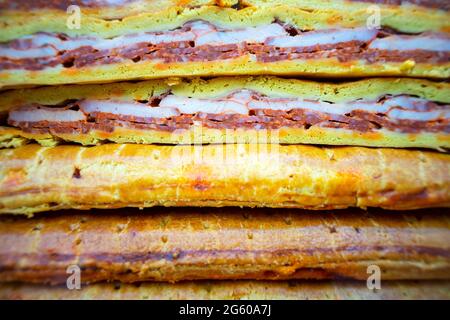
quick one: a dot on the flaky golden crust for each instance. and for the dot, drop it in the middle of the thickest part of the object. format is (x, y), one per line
(191, 244)
(369, 89)
(234, 290)
(34, 178)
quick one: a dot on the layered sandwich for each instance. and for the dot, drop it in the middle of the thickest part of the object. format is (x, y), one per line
(374, 112)
(138, 118)
(210, 40)
(35, 178)
(176, 245)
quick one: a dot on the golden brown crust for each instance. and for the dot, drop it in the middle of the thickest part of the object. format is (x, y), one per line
(34, 178)
(191, 244)
(234, 290)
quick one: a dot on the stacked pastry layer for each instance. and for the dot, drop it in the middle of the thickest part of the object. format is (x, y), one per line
(199, 244)
(36, 178)
(333, 175)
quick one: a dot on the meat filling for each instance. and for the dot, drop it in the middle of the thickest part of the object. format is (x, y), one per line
(201, 41)
(240, 109)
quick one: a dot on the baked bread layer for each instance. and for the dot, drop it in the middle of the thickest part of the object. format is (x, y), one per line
(405, 18)
(192, 244)
(35, 178)
(233, 290)
(375, 112)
